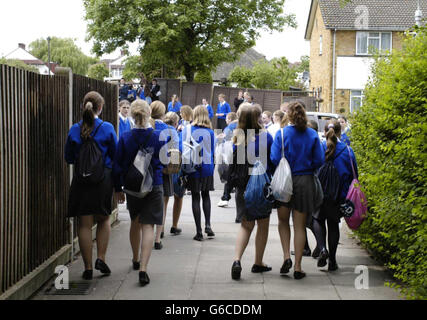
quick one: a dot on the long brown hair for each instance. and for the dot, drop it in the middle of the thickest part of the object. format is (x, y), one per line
(92, 103)
(297, 115)
(333, 132)
(201, 117)
(248, 119)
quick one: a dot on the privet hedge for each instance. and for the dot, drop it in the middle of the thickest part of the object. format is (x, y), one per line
(389, 137)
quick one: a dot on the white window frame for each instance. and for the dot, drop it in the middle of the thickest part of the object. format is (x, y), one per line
(362, 96)
(367, 39)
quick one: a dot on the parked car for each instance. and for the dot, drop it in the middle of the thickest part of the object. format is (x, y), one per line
(322, 119)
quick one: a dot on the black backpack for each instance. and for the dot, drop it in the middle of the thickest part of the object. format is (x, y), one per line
(238, 175)
(330, 180)
(89, 166)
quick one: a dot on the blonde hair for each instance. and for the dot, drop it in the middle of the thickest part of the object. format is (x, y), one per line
(222, 95)
(187, 113)
(201, 117)
(158, 110)
(172, 119)
(140, 112)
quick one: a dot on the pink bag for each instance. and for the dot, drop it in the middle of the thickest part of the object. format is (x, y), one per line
(358, 198)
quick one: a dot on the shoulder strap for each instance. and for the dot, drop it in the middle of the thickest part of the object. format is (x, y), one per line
(352, 165)
(283, 142)
(339, 154)
(188, 134)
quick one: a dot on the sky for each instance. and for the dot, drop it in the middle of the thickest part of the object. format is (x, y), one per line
(23, 21)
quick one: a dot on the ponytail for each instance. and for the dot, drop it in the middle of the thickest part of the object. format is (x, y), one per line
(333, 130)
(92, 103)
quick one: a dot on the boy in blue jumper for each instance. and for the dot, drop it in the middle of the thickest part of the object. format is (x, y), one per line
(222, 111)
(125, 124)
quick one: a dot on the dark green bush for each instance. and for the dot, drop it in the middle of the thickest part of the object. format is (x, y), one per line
(389, 137)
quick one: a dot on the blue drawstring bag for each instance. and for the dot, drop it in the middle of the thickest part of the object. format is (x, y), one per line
(256, 202)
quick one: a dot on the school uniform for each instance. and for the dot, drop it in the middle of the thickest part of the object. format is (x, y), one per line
(228, 131)
(273, 129)
(175, 108)
(125, 125)
(344, 136)
(225, 109)
(343, 165)
(303, 151)
(167, 133)
(210, 111)
(149, 209)
(202, 179)
(86, 200)
(123, 92)
(262, 144)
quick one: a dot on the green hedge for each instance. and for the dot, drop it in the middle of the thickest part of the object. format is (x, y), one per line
(389, 137)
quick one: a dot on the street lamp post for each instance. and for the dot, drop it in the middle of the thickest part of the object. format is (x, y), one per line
(48, 50)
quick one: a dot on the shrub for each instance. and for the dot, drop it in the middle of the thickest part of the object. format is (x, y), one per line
(389, 137)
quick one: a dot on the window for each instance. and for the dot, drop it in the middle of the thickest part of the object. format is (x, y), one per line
(369, 42)
(356, 100)
(320, 45)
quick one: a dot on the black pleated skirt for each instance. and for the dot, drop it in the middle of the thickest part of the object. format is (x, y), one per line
(87, 200)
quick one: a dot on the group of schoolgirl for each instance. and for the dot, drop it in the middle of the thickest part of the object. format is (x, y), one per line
(102, 164)
(298, 146)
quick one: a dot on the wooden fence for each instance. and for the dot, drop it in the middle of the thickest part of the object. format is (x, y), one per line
(34, 178)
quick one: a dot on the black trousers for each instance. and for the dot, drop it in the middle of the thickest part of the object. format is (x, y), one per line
(221, 124)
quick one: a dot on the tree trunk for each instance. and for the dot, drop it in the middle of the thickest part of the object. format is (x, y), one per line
(188, 72)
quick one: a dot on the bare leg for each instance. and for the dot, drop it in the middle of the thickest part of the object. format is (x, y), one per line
(85, 240)
(103, 230)
(159, 229)
(147, 245)
(299, 219)
(243, 238)
(177, 208)
(135, 239)
(261, 240)
(285, 231)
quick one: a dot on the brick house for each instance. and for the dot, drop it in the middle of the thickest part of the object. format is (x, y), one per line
(342, 40)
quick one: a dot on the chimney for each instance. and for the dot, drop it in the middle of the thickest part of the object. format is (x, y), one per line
(21, 45)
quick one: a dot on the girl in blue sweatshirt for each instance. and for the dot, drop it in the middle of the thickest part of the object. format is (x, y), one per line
(222, 111)
(169, 134)
(343, 157)
(148, 211)
(175, 105)
(256, 142)
(91, 202)
(209, 108)
(302, 149)
(201, 182)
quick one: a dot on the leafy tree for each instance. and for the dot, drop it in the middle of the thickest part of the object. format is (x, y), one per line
(138, 67)
(63, 51)
(242, 76)
(305, 64)
(98, 71)
(389, 135)
(203, 76)
(18, 64)
(195, 35)
(265, 75)
(286, 75)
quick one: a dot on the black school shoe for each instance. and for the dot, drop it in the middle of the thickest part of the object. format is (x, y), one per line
(287, 265)
(260, 269)
(209, 232)
(332, 266)
(324, 255)
(87, 275)
(298, 275)
(176, 231)
(136, 265)
(316, 253)
(198, 237)
(236, 270)
(158, 245)
(102, 267)
(143, 278)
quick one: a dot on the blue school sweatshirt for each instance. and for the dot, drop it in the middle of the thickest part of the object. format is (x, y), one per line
(210, 111)
(105, 138)
(228, 131)
(124, 126)
(127, 149)
(176, 108)
(254, 147)
(343, 165)
(208, 149)
(225, 109)
(302, 150)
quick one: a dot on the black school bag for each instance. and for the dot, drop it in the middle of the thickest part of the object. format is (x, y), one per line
(238, 174)
(89, 166)
(330, 180)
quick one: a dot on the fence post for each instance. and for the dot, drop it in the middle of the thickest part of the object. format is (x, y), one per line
(67, 72)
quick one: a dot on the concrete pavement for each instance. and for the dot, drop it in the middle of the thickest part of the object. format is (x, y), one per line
(188, 270)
